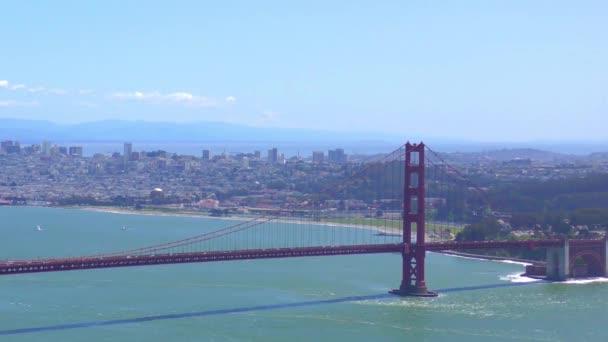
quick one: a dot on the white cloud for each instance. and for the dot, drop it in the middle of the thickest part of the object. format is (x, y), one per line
(86, 104)
(17, 86)
(182, 98)
(36, 89)
(85, 91)
(230, 99)
(13, 103)
(136, 95)
(57, 91)
(6, 84)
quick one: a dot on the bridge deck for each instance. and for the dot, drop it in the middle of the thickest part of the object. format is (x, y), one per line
(67, 264)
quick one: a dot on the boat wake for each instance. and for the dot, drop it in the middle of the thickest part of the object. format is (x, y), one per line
(587, 281)
(515, 262)
(518, 278)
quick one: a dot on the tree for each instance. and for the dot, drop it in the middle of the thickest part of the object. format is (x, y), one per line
(486, 229)
(217, 212)
(525, 220)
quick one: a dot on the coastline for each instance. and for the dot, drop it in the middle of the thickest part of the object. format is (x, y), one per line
(190, 214)
(177, 213)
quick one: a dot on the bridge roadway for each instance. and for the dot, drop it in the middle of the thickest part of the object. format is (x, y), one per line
(95, 262)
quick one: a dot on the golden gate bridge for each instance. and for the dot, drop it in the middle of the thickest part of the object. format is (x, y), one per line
(381, 206)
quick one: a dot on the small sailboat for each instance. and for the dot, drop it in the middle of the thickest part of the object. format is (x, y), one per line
(38, 228)
(123, 228)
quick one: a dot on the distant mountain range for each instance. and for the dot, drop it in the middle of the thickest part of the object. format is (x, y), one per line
(518, 153)
(35, 131)
(119, 130)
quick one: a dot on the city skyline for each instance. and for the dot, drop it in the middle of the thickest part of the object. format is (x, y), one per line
(273, 156)
(509, 71)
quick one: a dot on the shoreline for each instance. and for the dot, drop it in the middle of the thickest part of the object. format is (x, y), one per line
(177, 213)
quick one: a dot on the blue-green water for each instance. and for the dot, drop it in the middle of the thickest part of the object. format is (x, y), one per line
(301, 299)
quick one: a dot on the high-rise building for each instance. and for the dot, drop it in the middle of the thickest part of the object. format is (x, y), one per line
(4, 146)
(273, 155)
(54, 150)
(257, 154)
(75, 151)
(46, 148)
(10, 146)
(337, 156)
(206, 155)
(318, 157)
(128, 149)
(63, 150)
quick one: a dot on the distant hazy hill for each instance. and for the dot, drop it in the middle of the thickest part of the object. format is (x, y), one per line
(525, 153)
(599, 156)
(515, 153)
(117, 130)
(35, 131)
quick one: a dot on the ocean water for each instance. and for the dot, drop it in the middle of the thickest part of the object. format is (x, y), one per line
(342, 298)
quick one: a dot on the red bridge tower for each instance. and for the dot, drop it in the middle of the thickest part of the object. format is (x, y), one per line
(412, 282)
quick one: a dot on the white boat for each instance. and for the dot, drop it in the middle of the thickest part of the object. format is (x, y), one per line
(38, 228)
(123, 228)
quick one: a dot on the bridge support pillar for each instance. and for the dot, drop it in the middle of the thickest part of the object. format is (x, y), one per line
(558, 262)
(606, 256)
(413, 255)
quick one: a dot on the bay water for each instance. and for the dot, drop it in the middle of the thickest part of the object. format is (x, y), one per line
(341, 298)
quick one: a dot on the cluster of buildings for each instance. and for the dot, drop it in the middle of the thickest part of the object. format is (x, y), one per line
(46, 149)
(333, 156)
(48, 174)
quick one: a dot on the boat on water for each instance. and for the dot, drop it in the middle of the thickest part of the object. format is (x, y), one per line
(387, 234)
(123, 228)
(38, 228)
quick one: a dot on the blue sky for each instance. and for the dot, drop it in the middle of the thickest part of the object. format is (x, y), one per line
(511, 70)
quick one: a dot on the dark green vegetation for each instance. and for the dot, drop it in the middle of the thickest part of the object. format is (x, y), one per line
(556, 203)
(573, 207)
